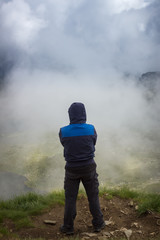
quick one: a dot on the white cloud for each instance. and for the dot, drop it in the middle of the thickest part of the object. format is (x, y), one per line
(118, 6)
(20, 23)
(82, 35)
(80, 47)
(142, 27)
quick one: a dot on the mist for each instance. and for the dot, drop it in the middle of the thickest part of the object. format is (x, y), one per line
(55, 53)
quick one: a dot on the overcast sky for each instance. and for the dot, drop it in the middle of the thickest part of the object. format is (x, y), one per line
(78, 50)
(62, 51)
(83, 35)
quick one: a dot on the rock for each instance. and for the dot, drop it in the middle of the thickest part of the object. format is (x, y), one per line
(106, 234)
(158, 222)
(102, 238)
(89, 234)
(50, 222)
(89, 225)
(135, 225)
(123, 212)
(139, 231)
(127, 232)
(105, 209)
(152, 234)
(109, 222)
(131, 204)
(136, 207)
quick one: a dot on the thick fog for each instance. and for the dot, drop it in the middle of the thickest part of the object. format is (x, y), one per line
(81, 36)
(57, 52)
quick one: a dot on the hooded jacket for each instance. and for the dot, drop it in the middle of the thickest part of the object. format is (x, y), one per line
(78, 138)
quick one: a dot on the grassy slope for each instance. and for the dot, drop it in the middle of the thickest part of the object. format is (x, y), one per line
(22, 207)
(145, 201)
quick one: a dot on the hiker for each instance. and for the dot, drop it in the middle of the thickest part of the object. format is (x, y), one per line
(78, 140)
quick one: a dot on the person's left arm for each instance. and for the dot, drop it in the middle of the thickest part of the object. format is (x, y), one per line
(95, 137)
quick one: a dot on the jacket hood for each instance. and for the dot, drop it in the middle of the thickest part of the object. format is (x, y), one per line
(77, 113)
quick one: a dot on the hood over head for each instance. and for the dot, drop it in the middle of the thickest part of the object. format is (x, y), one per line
(77, 113)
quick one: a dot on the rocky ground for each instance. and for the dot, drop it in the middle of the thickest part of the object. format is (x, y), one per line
(121, 217)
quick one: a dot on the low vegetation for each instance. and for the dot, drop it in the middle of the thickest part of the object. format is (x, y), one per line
(20, 209)
(145, 201)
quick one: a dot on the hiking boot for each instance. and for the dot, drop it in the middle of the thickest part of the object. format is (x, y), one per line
(68, 231)
(99, 228)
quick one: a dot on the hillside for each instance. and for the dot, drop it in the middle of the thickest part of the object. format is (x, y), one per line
(121, 216)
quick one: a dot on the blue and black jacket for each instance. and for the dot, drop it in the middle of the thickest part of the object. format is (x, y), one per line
(78, 138)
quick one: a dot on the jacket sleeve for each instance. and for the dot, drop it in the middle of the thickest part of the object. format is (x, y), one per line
(95, 137)
(60, 137)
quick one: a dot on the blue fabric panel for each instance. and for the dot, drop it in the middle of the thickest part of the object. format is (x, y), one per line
(74, 130)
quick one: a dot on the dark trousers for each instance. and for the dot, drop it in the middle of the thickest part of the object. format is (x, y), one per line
(71, 186)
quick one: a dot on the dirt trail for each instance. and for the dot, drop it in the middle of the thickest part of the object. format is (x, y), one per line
(121, 216)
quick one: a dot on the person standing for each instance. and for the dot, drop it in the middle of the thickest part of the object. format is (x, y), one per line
(79, 140)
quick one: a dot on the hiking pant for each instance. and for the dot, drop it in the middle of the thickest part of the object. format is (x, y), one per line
(71, 186)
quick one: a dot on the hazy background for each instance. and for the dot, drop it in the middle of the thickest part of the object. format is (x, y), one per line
(57, 52)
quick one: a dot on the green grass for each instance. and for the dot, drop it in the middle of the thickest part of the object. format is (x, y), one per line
(24, 222)
(124, 192)
(149, 202)
(22, 207)
(145, 201)
(32, 201)
(4, 231)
